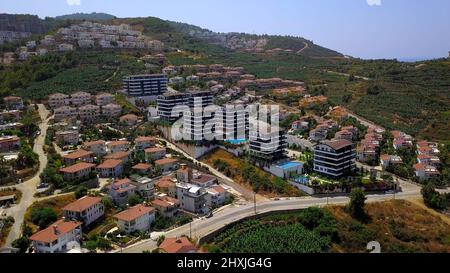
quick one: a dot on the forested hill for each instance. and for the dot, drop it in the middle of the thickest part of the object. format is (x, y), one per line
(86, 16)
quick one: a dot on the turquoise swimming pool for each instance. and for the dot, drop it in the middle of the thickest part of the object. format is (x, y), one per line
(292, 164)
(237, 141)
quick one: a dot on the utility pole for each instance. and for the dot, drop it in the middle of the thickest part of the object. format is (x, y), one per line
(190, 230)
(328, 193)
(254, 202)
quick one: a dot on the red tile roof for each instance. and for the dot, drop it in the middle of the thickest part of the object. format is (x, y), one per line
(219, 189)
(180, 245)
(118, 155)
(165, 183)
(133, 213)
(142, 166)
(166, 161)
(83, 203)
(49, 235)
(154, 150)
(92, 143)
(118, 143)
(165, 202)
(144, 139)
(110, 164)
(77, 167)
(337, 144)
(78, 154)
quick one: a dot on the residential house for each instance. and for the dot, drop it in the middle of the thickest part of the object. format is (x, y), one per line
(98, 147)
(167, 164)
(184, 174)
(166, 206)
(125, 157)
(344, 134)
(390, 160)
(129, 120)
(121, 190)
(192, 198)
(142, 143)
(142, 168)
(9, 143)
(429, 160)
(145, 186)
(203, 180)
(111, 168)
(111, 110)
(425, 172)
(80, 155)
(137, 218)
(216, 196)
(65, 112)
(13, 103)
(180, 245)
(58, 100)
(80, 98)
(89, 112)
(155, 153)
(104, 99)
(318, 134)
(118, 146)
(87, 210)
(300, 125)
(64, 138)
(54, 239)
(167, 185)
(79, 171)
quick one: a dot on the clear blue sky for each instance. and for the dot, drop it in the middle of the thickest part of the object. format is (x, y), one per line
(389, 29)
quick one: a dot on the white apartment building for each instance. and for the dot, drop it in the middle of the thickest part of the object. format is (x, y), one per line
(98, 147)
(104, 99)
(80, 98)
(58, 100)
(111, 110)
(65, 112)
(89, 112)
(192, 198)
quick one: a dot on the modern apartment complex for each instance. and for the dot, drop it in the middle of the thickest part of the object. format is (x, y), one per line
(335, 158)
(267, 143)
(145, 85)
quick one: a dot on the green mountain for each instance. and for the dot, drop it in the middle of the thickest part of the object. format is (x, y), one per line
(86, 16)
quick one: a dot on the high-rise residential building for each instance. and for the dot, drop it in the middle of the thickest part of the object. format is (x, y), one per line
(167, 102)
(145, 85)
(267, 142)
(335, 158)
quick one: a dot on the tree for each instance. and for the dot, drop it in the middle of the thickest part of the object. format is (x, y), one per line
(135, 200)
(357, 203)
(43, 217)
(107, 202)
(81, 192)
(23, 243)
(433, 198)
(160, 240)
(91, 245)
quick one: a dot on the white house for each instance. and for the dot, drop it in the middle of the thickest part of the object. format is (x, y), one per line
(55, 238)
(87, 210)
(137, 218)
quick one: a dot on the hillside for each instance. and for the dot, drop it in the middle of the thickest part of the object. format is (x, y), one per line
(413, 97)
(23, 23)
(86, 16)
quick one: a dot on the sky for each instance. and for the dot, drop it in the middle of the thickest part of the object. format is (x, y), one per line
(402, 29)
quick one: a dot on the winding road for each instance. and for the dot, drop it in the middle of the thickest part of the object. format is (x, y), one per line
(28, 188)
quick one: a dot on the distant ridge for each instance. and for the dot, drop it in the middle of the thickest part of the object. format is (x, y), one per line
(87, 16)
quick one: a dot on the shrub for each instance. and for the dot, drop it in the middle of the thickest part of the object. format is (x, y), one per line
(43, 217)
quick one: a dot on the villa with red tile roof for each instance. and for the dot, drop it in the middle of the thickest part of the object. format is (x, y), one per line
(125, 157)
(425, 172)
(111, 168)
(177, 245)
(121, 190)
(142, 143)
(137, 218)
(78, 171)
(80, 155)
(167, 185)
(142, 168)
(55, 238)
(167, 164)
(87, 210)
(9, 143)
(154, 153)
(216, 196)
(129, 119)
(98, 147)
(166, 206)
(118, 146)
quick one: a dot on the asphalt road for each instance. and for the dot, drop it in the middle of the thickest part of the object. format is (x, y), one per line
(201, 227)
(28, 188)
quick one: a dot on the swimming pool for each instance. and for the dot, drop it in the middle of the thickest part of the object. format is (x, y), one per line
(292, 164)
(237, 141)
